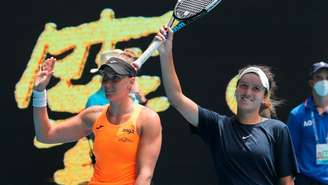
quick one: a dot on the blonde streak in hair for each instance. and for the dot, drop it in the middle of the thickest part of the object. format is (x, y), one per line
(104, 56)
(271, 103)
(267, 108)
(128, 55)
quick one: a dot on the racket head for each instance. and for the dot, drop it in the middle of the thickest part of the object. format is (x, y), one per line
(189, 9)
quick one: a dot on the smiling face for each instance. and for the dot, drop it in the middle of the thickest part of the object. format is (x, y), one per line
(249, 93)
(117, 86)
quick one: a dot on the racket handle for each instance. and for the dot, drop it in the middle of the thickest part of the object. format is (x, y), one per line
(147, 53)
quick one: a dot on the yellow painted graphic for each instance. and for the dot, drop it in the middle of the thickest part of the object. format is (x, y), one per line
(230, 94)
(74, 42)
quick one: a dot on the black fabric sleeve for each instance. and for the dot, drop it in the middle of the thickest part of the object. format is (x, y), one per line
(286, 163)
(207, 124)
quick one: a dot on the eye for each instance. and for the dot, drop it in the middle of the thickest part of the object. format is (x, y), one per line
(256, 89)
(114, 78)
(318, 77)
(243, 86)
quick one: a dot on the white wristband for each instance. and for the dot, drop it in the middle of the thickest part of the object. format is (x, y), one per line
(39, 98)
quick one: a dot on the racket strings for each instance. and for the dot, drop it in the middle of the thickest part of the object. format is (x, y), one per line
(189, 8)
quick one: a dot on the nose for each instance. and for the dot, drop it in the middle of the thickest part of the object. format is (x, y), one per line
(247, 91)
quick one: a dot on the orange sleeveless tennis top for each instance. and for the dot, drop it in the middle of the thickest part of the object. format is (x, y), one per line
(115, 149)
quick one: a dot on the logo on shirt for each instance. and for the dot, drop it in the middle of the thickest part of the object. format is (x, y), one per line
(128, 130)
(125, 139)
(245, 137)
(99, 127)
(126, 133)
(307, 123)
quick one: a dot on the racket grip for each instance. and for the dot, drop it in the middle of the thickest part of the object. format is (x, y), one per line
(147, 53)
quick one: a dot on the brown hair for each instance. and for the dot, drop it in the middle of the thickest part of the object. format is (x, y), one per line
(128, 55)
(268, 108)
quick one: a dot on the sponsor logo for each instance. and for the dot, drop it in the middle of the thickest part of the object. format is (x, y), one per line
(113, 61)
(307, 123)
(99, 127)
(245, 137)
(128, 130)
(179, 26)
(125, 139)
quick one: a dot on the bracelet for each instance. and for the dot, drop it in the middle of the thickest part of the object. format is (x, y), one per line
(39, 98)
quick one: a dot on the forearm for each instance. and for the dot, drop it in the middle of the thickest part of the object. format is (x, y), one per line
(41, 121)
(170, 79)
(41, 124)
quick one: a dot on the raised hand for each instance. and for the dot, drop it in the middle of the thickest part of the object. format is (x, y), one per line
(165, 35)
(44, 74)
(135, 66)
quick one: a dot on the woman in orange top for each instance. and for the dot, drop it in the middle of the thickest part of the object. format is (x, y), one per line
(127, 136)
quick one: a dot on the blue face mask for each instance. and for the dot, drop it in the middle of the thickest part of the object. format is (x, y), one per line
(321, 88)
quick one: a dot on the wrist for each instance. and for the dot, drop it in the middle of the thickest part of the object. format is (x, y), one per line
(39, 98)
(38, 89)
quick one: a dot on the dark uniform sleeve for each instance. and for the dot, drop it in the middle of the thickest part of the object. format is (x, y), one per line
(285, 156)
(207, 124)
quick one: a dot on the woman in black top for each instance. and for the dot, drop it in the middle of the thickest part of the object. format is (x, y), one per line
(249, 148)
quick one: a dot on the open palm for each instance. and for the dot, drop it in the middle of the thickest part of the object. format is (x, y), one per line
(44, 74)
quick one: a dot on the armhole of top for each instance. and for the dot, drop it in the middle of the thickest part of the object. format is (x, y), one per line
(101, 115)
(135, 116)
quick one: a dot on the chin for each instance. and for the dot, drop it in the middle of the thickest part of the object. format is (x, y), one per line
(246, 108)
(244, 105)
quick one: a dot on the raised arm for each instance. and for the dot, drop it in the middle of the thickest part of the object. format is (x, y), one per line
(183, 104)
(66, 131)
(149, 147)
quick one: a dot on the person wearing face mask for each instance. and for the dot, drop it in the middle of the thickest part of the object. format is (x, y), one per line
(308, 124)
(248, 148)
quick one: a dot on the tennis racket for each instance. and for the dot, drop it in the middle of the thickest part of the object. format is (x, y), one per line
(185, 12)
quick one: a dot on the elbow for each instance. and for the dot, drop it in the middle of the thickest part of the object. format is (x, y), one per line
(43, 139)
(148, 178)
(144, 179)
(172, 102)
(175, 99)
(144, 176)
(177, 102)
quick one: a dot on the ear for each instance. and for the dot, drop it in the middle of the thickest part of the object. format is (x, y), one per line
(131, 83)
(265, 99)
(311, 83)
(132, 80)
(266, 102)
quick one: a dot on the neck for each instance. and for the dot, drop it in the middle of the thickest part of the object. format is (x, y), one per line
(321, 103)
(249, 118)
(121, 107)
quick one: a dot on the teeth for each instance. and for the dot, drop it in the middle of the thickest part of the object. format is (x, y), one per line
(246, 99)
